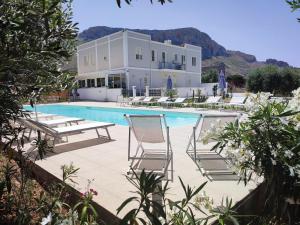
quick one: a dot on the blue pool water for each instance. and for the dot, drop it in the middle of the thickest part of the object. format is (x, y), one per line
(114, 115)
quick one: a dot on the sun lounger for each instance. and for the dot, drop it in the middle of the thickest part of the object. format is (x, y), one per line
(147, 99)
(211, 100)
(178, 101)
(212, 164)
(59, 132)
(66, 121)
(162, 100)
(122, 101)
(151, 130)
(136, 100)
(41, 116)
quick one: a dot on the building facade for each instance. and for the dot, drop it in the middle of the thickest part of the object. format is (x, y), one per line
(126, 58)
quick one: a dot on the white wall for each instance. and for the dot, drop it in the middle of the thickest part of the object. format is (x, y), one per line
(208, 88)
(99, 94)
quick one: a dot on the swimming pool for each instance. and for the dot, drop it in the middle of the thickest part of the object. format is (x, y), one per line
(114, 115)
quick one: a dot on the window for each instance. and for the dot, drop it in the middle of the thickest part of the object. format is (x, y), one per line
(163, 56)
(175, 57)
(153, 55)
(81, 83)
(183, 59)
(86, 60)
(101, 82)
(89, 60)
(114, 82)
(138, 54)
(194, 61)
(90, 83)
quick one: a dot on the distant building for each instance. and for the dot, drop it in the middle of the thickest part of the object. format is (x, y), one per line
(126, 58)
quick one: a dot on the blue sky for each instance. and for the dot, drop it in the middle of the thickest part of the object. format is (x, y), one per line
(264, 28)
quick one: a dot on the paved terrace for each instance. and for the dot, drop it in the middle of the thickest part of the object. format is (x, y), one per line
(105, 164)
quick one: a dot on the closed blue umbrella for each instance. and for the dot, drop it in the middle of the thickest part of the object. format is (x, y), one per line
(169, 83)
(222, 81)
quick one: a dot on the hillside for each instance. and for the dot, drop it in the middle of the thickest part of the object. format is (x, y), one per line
(178, 36)
(213, 54)
(234, 64)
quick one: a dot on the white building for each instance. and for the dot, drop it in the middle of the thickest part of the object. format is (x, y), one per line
(113, 64)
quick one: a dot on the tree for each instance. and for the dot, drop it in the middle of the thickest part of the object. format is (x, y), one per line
(295, 5)
(129, 1)
(37, 36)
(236, 80)
(210, 76)
(273, 79)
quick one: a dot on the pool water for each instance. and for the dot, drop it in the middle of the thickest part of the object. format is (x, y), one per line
(115, 115)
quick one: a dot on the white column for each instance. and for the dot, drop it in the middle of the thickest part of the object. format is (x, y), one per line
(109, 62)
(133, 91)
(125, 48)
(96, 54)
(147, 91)
(106, 80)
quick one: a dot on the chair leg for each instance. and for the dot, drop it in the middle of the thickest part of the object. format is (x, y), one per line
(108, 135)
(97, 133)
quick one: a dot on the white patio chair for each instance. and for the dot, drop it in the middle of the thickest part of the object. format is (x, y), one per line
(66, 121)
(178, 101)
(147, 99)
(211, 163)
(136, 100)
(154, 150)
(55, 122)
(237, 100)
(58, 133)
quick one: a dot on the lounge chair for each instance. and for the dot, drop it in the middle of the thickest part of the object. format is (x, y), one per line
(40, 115)
(147, 100)
(135, 100)
(122, 101)
(60, 132)
(66, 121)
(212, 164)
(235, 102)
(211, 100)
(150, 130)
(55, 122)
(162, 100)
(178, 101)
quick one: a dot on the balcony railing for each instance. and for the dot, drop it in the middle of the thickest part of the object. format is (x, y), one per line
(171, 66)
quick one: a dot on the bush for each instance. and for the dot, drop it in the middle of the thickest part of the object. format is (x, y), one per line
(265, 143)
(236, 80)
(274, 80)
(211, 76)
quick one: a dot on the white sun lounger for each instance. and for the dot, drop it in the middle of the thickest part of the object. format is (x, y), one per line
(162, 99)
(66, 121)
(210, 163)
(59, 132)
(41, 116)
(55, 122)
(178, 101)
(150, 130)
(147, 99)
(136, 100)
(237, 100)
(213, 99)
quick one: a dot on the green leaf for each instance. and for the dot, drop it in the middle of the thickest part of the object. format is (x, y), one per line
(128, 200)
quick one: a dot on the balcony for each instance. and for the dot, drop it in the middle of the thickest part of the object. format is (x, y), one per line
(171, 66)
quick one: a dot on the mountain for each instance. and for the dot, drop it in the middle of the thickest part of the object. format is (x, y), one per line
(214, 55)
(277, 63)
(177, 36)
